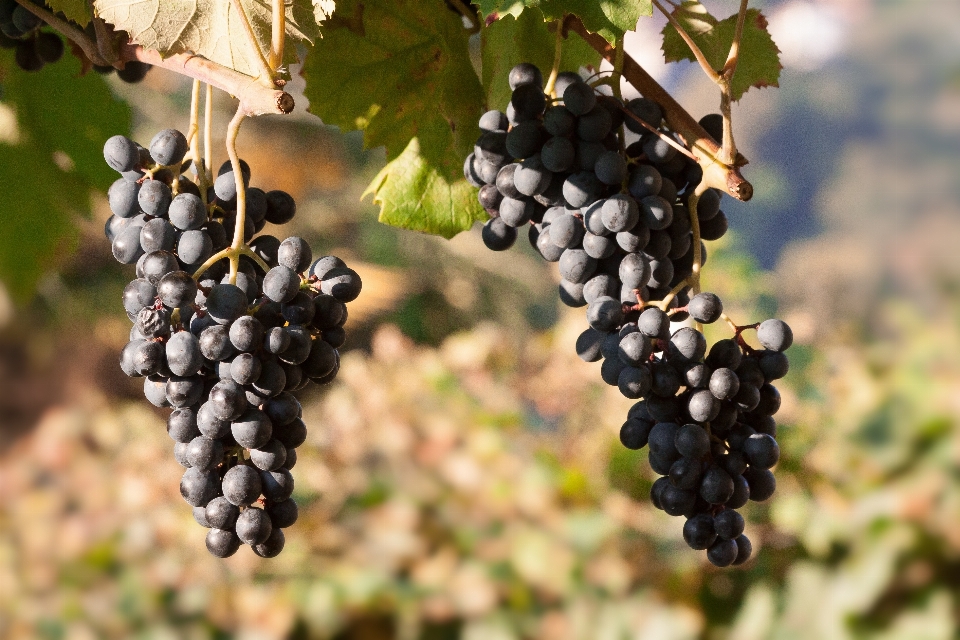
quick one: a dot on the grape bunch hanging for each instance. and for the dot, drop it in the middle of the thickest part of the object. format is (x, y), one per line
(224, 343)
(617, 220)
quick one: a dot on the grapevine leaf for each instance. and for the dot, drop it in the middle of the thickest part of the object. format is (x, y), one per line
(212, 28)
(508, 41)
(398, 69)
(414, 195)
(504, 7)
(50, 160)
(37, 226)
(610, 18)
(75, 10)
(65, 127)
(759, 65)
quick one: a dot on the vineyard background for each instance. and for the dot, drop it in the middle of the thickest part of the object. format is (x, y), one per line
(463, 478)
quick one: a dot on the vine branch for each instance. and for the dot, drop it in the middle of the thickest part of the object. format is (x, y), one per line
(716, 174)
(255, 99)
(69, 31)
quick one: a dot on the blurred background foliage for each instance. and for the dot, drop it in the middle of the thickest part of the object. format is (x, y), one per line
(463, 477)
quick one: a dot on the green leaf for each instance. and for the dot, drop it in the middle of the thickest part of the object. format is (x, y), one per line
(413, 195)
(212, 28)
(610, 18)
(504, 7)
(759, 64)
(54, 108)
(75, 10)
(50, 161)
(38, 228)
(526, 38)
(399, 69)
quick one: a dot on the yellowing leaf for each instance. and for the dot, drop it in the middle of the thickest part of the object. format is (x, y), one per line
(212, 28)
(414, 195)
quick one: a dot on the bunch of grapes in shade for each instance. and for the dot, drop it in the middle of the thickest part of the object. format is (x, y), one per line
(224, 350)
(617, 220)
(35, 48)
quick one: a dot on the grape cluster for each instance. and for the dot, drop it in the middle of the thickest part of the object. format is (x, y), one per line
(616, 219)
(21, 30)
(226, 352)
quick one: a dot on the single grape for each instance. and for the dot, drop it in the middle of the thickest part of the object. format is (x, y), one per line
(221, 514)
(198, 487)
(699, 532)
(155, 198)
(168, 147)
(705, 307)
(241, 485)
(775, 335)
(283, 514)
(579, 98)
(221, 543)
(524, 139)
(121, 153)
(611, 168)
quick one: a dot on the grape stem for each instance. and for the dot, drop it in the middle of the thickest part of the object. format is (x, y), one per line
(667, 299)
(279, 33)
(238, 247)
(738, 331)
(233, 132)
(670, 141)
(692, 203)
(193, 135)
(207, 134)
(716, 174)
(550, 89)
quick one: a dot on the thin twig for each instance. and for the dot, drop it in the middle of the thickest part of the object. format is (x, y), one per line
(68, 31)
(728, 149)
(697, 53)
(233, 131)
(468, 14)
(730, 67)
(692, 203)
(266, 72)
(555, 69)
(667, 299)
(279, 25)
(670, 141)
(208, 133)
